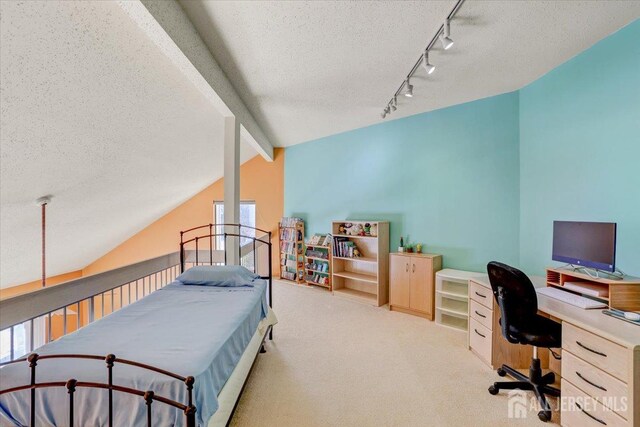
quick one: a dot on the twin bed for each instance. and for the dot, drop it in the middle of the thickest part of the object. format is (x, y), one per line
(197, 343)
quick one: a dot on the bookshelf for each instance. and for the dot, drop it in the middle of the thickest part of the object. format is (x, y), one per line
(318, 261)
(360, 261)
(291, 234)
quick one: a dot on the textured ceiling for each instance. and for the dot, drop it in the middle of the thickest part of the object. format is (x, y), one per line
(94, 114)
(311, 69)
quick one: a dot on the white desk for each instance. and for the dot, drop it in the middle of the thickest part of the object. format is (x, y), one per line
(600, 364)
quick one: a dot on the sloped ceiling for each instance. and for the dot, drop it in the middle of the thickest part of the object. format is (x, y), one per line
(94, 114)
(309, 69)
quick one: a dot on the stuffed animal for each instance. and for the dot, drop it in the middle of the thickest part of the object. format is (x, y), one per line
(356, 253)
(347, 228)
(342, 229)
(367, 229)
(374, 230)
(355, 230)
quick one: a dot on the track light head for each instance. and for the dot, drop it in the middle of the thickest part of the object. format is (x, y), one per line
(430, 68)
(408, 89)
(384, 114)
(393, 104)
(445, 36)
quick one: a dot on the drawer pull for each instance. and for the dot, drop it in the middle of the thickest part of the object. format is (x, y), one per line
(589, 382)
(483, 336)
(481, 315)
(591, 416)
(591, 350)
(480, 295)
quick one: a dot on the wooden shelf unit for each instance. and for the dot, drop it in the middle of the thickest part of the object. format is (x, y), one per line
(364, 279)
(291, 236)
(310, 273)
(623, 294)
(452, 298)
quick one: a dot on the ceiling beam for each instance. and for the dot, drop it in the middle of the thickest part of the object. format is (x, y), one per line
(168, 26)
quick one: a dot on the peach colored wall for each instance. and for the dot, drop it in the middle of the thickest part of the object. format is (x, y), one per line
(34, 286)
(260, 181)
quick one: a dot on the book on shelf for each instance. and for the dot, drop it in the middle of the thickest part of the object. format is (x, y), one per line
(337, 248)
(290, 221)
(288, 275)
(327, 240)
(344, 248)
(290, 234)
(316, 239)
(317, 253)
(317, 279)
(290, 247)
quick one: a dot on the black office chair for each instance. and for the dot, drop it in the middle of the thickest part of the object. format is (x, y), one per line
(521, 324)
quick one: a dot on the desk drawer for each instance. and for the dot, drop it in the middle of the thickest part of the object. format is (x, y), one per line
(480, 340)
(596, 383)
(606, 355)
(481, 313)
(481, 294)
(580, 410)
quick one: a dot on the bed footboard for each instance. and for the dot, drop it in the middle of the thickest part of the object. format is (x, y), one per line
(148, 396)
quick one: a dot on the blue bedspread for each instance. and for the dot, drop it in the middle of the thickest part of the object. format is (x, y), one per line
(189, 330)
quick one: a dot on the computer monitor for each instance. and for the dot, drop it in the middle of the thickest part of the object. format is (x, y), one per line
(587, 244)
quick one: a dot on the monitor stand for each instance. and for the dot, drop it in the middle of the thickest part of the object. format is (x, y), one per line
(596, 273)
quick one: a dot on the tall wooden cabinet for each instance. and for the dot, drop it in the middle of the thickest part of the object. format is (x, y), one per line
(411, 283)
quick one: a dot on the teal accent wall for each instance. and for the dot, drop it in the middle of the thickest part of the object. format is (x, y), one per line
(580, 149)
(484, 180)
(448, 179)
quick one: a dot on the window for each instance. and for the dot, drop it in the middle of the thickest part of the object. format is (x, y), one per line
(247, 217)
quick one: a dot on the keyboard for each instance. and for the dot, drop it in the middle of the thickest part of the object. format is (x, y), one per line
(569, 298)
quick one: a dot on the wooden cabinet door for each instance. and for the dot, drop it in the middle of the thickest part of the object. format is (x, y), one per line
(399, 272)
(421, 285)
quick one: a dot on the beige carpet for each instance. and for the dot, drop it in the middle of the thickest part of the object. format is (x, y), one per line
(336, 362)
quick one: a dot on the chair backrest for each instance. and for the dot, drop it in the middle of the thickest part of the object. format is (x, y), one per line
(519, 303)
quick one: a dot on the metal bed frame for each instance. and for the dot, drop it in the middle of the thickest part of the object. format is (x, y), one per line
(231, 231)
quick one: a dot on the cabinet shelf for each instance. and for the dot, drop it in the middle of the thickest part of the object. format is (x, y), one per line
(360, 259)
(452, 298)
(452, 312)
(369, 278)
(367, 297)
(453, 295)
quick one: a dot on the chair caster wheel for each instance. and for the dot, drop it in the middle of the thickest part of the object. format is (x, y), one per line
(501, 372)
(493, 390)
(544, 416)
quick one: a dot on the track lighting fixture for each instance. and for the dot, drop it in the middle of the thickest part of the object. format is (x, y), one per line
(445, 36)
(408, 89)
(430, 68)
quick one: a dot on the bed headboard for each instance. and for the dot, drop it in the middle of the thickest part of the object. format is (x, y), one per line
(221, 244)
(201, 246)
